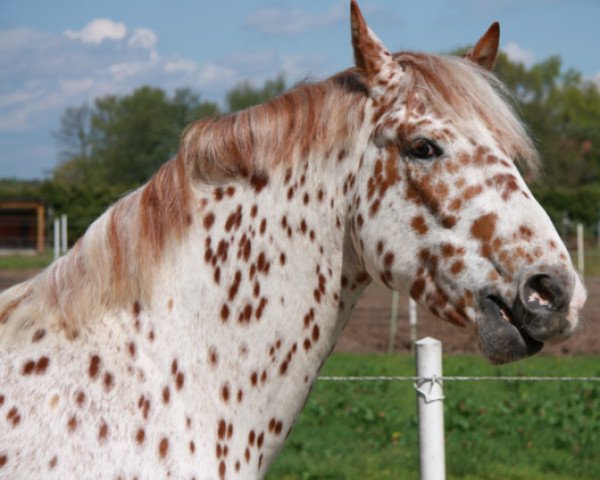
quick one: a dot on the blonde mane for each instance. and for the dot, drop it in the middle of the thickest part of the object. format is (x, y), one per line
(459, 90)
(113, 264)
(309, 120)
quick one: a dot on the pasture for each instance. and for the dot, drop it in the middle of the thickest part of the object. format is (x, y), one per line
(516, 430)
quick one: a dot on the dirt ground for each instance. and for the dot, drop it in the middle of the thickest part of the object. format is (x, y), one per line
(369, 328)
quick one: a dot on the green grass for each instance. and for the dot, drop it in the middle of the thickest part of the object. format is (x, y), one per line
(22, 262)
(493, 429)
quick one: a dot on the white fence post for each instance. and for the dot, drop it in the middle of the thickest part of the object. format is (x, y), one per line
(63, 225)
(393, 321)
(412, 322)
(430, 407)
(56, 238)
(580, 259)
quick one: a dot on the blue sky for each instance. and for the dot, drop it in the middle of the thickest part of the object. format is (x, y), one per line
(62, 53)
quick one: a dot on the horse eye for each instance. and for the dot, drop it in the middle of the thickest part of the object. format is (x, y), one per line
(423, 149)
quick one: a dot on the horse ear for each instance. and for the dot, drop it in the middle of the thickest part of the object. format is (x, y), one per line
(369, 53)
(485, 51)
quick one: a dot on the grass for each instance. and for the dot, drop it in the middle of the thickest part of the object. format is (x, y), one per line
(493, 429)
(23, 262)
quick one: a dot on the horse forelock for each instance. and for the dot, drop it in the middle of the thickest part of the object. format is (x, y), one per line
(459, 90)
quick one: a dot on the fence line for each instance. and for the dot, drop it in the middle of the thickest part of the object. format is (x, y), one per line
(453, 378)
(429, 387)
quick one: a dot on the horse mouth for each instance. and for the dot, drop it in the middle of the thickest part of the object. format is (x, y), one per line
(502, 334)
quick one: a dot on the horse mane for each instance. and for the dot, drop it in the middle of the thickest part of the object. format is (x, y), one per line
(110, 265)
(312, 119)
(114, 263)
(459, 90)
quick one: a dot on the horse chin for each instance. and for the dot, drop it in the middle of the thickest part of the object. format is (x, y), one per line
(500, 338)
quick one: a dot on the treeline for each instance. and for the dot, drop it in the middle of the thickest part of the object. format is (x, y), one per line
(124, 140)
(118, 142)
(115, 145)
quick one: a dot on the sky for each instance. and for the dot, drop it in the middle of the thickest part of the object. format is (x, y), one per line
(65, 53)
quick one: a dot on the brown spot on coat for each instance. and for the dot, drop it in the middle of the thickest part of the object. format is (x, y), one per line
(163, 447)
(13, 416)
(108, 381)
(259, 180)
(224, 313)
(38, 335)
(102, 432)
(222, 429)
(484, 227)
(457, 267)
(94, 367)
(209, 220)
(233, 289)
(179, 380)
(213, 356)
(315, 333)
(417, 288)
(80, 398)
(72, 424)
(225, 393)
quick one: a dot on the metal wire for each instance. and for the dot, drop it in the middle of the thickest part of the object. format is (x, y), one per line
(384, 378)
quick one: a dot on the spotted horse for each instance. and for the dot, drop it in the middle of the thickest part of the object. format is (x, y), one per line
(180, 337)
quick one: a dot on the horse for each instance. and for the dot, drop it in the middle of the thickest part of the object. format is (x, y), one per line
(181, 335)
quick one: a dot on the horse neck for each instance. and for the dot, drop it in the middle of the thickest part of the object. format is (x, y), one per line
(250, 304)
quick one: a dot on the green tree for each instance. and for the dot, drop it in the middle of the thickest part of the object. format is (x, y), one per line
(562, 111)
(123, 140)
(245, 95)
(73, 134)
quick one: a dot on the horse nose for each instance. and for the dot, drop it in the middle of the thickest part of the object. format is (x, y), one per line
(544, 298)
(542, 292)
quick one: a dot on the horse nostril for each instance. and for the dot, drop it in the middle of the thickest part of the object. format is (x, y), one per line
(543, 292)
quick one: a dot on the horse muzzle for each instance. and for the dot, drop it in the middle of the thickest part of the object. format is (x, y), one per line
(545, 309)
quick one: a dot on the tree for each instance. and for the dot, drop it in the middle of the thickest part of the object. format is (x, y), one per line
(73, 134)
(245, 95)
(123, 140)
(562, 111)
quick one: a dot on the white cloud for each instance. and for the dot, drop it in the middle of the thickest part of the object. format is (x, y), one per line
(44, 73)
(144, 38)
(99, 30)
(77, 86)
(519, 54)
(181, 65)
(279, 20)
(20, 96)
(213, 74)
(124, 70)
